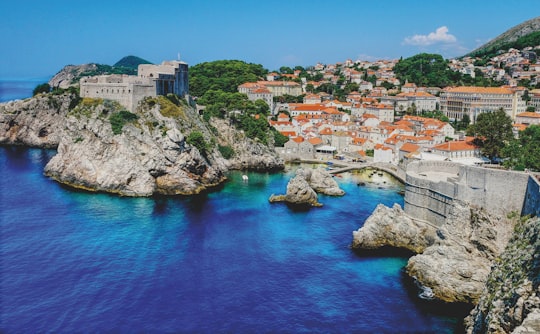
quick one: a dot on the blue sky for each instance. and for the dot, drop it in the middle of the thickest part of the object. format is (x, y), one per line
(40, 37)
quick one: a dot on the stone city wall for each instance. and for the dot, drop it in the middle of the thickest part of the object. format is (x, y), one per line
(498, 191)
(431, 187)
(426, 198)
(532, 197)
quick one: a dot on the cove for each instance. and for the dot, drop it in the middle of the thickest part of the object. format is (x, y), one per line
(223, 261)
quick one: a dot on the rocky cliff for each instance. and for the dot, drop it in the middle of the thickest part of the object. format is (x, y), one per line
(102, 147)
(454, 259)
(35, 122)
(248, 153)
(70, 75)
(510, 302)
(105, 148)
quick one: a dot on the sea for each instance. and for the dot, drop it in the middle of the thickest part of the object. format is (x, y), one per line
(226, 261)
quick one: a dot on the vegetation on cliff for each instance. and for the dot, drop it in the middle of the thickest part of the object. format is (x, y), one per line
(222, 75)
(510, 295)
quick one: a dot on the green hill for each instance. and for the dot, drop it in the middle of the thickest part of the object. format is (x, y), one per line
(521, 36)
(132, 62)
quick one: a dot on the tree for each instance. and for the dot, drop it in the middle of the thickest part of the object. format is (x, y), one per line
(42, 88)
(196, 139)
(524, 152)
(493, 131)
(224, 75)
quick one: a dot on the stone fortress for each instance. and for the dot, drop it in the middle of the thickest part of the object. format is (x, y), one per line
(432, 186)
(129, 90)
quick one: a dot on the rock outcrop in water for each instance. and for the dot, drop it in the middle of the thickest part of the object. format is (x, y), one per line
(302, 189)
(510, 302)
(454, 259)
(298, 193)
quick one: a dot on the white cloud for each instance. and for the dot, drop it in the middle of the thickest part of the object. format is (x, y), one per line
(440, 35)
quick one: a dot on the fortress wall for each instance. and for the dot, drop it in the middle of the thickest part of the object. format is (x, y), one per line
(120, 92)
(426, 199)
(531, 205)
(498, 191)
(139, 93)
(434, 166)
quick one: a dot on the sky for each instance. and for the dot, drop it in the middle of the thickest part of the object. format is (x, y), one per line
(41, 37)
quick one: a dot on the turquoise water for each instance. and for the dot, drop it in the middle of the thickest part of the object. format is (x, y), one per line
(226, 261)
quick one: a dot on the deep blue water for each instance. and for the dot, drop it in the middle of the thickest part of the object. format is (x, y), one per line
(14, 89)
(227, 261)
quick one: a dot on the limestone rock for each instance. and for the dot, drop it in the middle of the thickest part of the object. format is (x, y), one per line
(249, 154)
(453, 259)
(299, 192)
(70, 74)
(35, 122)
(148, 157)
(510, 301)
(392, 227)
(322, 182)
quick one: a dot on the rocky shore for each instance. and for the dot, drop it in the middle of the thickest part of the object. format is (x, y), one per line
(458, 261)
(102, 147)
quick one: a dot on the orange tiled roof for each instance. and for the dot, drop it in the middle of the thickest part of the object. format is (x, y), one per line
(315, 141)
(298, 139)
(529, 114)
(409, 147)
(460, 145)
(478, 90)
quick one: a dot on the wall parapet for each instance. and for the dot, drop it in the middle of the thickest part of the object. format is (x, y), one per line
(432, 186)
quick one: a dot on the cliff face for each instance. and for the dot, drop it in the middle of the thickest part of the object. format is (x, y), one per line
(510, 302)
(70, 74)
(248, 153)
(454, 259)
(36, 122)
(147, 155)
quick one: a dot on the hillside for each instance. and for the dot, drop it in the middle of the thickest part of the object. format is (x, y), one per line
(132, 62)
(520, 36)
(70, 74)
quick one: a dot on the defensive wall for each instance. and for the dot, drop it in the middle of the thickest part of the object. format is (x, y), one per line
(129, 90)
(432, 186)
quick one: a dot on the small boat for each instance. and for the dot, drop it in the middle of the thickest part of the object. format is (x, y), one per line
(426, 293)
(245, 177)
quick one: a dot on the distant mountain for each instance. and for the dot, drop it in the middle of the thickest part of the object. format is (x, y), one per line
(131, 62)
(520, 36)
